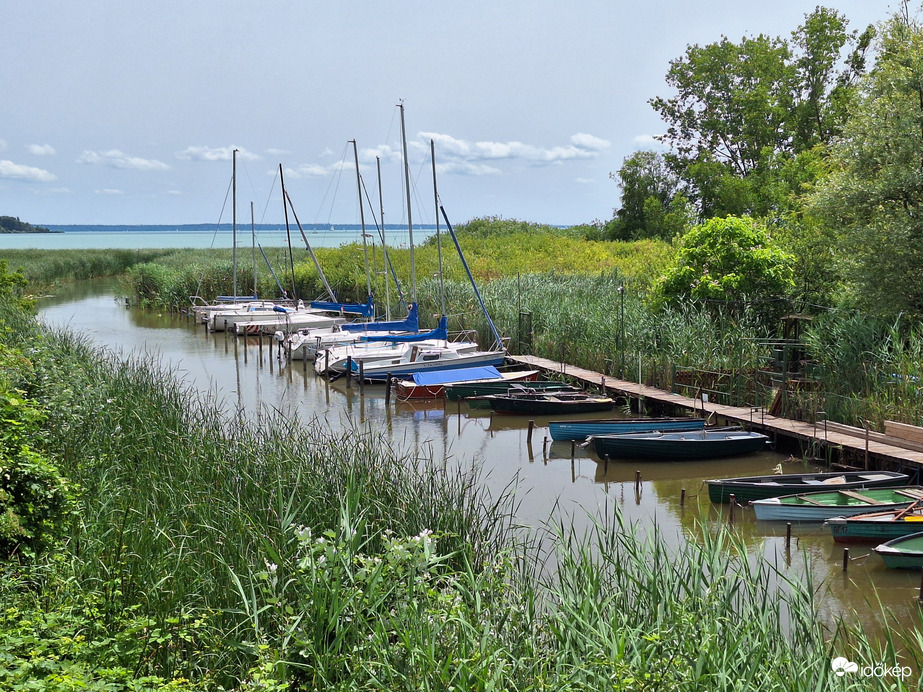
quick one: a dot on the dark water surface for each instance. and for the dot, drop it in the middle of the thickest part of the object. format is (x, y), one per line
(548, 483)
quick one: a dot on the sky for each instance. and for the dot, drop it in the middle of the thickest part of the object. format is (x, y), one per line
(126, 112)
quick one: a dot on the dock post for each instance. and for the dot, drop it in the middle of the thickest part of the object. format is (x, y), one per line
(733, 501)
(682, 497)
(261, 349)
(845, 558)
(638, 481)
(788, 536)
(529, 434)
(920, 597)
(545, 447)
(573, 446)
(349, 371)
(361, 377)
(388, 389)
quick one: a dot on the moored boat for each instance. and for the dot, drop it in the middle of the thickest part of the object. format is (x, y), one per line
(905, 552)
(822, 505)
(470, 390)
(678, 446)
(530, 401)
(747, 488)
(877, 526)
(431, 385)
(582, 429)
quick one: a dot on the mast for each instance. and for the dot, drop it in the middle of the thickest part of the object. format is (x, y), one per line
(365, 247)
(253, 250)
(384, 245)
(413, 272)
(234, 219)
(288, 234)
(432, 153)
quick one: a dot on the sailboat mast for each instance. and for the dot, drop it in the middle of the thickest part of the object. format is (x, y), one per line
(253, 250)
(288, 234)
(432, 153)
(384, 245)
(365, 247)
(413, 272)
(234, 219)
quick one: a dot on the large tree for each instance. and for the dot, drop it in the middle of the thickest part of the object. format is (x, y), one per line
(874, 197)
(742, 110)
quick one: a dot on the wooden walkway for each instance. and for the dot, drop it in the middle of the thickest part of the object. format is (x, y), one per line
(867, 447)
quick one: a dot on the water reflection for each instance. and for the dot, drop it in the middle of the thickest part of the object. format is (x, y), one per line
(553, 479)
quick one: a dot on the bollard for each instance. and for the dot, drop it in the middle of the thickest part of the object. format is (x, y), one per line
(845, 558)
(733, 501)
(349, 371)
(682, 497)
(529, 434)
(788, 536)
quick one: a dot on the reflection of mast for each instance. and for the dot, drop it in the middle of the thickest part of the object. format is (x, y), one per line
(413, 272)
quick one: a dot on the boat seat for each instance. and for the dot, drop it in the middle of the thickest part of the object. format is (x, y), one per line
(812, 501)
(912, 493)
(856, 496)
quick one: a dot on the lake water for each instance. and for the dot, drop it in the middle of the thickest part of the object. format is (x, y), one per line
(548, 482)
(200, 237)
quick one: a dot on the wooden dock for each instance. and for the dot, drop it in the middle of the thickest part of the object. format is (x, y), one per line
(869, 449)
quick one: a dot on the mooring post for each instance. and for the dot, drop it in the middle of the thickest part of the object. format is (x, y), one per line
(261, 349)
(573, 449)
(529, 434)
(349, 371)
(638, 481)
(606, 465)
(920, 597)
(845, 558)
(682, 497)
(388, 384)
(362, 377)
(545, 446)
(788, 536)
(733, 501)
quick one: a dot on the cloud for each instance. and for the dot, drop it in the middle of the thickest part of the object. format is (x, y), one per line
(16, 171)
(203, 153)
(108, 191)
(461, 156)
(118, 159)
(584, 181)
(42, 150)
(178, 193)
(278, 152)
(306, 170)
(649, 141)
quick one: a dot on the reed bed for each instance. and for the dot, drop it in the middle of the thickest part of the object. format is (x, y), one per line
(44, 268)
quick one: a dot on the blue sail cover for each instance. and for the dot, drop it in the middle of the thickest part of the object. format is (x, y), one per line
(410, 324)
(440, 332)
(487, 372)
(366, 310)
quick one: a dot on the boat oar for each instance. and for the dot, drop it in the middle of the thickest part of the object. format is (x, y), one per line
(914, 505)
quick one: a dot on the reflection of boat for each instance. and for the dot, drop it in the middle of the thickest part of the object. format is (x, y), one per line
(582, 429)
(431, 385)
(552, 403)
(468, 390)
(877, 526)
(818, 506)
(905, 552)
(749, 488)
(679, 446)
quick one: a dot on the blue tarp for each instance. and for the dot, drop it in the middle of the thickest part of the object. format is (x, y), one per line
(440, 332)
(366, 310)
(485, 372)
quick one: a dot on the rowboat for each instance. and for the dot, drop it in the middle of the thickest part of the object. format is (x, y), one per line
(582, 429)
(877, 526)
(749, 488)
(431, 385)
(678, 446)
(905, 552)
(819, 506)
(527, 401)
(469, 390)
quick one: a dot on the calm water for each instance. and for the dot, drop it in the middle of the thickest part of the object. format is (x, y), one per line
(547, 481)
(141, 237)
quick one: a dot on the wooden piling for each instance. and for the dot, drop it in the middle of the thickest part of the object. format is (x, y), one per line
(637, 481)
(788, 536)
(529, 433)
(682, 497)
(845, 558)
(733, 502)
(349, 371)
(389, 383)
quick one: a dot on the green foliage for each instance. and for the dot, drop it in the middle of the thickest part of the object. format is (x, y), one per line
(872, 200)
(727, 260)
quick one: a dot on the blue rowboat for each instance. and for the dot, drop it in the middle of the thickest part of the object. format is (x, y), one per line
(582, 429)
(826, 504)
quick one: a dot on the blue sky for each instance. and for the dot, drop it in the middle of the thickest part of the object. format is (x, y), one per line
(123, 112)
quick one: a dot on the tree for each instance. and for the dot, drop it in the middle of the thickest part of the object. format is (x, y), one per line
(652, 206)
(728, 262)
(874, 196)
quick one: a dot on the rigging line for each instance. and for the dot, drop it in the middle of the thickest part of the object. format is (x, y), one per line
(381, 237)
(334, 183)
(227, 193)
